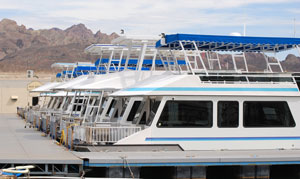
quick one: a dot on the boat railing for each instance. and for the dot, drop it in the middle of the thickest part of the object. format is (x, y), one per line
(247, 79)
(105, 134)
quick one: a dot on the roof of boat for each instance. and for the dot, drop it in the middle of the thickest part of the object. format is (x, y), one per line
(115, 81)
(65, 93)
(135, 39)
(46, 87)
(70, 83)
(228, 43)
(191, 85)
(71, 65)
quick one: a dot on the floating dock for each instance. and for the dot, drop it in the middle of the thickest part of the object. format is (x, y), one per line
(24, 146)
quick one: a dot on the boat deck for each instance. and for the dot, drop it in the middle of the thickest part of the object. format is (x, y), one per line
(28, 146)
(190, 158)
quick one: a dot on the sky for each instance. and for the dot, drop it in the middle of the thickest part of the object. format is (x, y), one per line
(152, 17)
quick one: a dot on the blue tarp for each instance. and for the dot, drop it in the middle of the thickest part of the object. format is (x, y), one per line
(67, 72)
(58, 75)
(228, 43)
(85, 68)
(134, 62)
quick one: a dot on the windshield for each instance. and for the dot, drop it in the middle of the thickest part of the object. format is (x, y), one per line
(153, 109)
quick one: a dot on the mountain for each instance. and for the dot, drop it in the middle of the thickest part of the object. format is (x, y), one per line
(22, 48)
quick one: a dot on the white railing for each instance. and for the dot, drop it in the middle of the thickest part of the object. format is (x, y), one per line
(95, 135)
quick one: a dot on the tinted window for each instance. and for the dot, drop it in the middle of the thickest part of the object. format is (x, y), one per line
(35, 101)
(110, 106)
(77, 107)
(133, 110)
(228, 114)
(186, 114)
(267, 114)
(153, 109)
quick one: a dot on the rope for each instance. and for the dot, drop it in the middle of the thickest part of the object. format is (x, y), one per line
(125, 163)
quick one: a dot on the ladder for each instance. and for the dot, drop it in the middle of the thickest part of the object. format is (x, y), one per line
(169, 61)
(234, 58)
(211, 60)
(191, 58)
(91, 107)
(111, 61)
(270, 64)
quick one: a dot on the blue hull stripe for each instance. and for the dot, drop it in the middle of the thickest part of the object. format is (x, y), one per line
(192, 164)
(214, 89)
(219, 138)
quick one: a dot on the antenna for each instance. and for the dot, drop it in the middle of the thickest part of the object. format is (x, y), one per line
(294, 27)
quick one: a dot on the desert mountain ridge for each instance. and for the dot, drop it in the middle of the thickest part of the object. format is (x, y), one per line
(23, 48)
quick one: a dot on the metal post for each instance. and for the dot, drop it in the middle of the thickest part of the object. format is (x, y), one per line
(153, 60)
(87, 107)
(109, 61)
(199, 55)
(233, 60)
(100, 105)
(128, 56)
(186, 58)
(142, 56)
(162, 60)
(121, 56)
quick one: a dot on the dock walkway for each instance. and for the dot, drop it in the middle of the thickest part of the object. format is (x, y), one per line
(27, 146)
(20, 145)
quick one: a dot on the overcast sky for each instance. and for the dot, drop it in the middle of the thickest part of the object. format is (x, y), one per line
(262, 17)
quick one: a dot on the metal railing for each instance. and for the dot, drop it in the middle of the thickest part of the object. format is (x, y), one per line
(95, 135)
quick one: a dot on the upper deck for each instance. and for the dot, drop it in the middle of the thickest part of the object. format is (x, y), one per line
(227, 43)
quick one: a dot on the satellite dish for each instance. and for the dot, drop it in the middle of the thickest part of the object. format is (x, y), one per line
(235, 34)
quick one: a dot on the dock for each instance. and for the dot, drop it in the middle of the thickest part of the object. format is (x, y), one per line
(27, 146)
(21, 146)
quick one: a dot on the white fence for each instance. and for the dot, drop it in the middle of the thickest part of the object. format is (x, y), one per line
(95, 135)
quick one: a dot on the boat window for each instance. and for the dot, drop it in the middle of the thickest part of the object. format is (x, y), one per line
(297, 79)
(67, 102)
(223, 78)
(124, 106)
(153, 109)
(267, 114)
(186, 114)
(143, 119)
(50, 102)
(270, 79)
(77, 107)
(228, 114)
(60, 102)
(110, 106)
(116, 114)
(138, 112)
(133, 110)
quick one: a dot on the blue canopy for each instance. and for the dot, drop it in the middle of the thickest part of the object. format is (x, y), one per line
(134, 62)
(228, 43)
(58, 75)
(85, 68)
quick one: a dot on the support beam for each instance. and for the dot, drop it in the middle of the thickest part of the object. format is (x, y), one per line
(262, 172)
(247, 172)
(198, 172)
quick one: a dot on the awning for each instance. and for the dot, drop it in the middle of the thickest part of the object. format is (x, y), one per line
(227, 43)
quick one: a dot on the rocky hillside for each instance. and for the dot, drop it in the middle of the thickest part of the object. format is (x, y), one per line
(23, 48)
